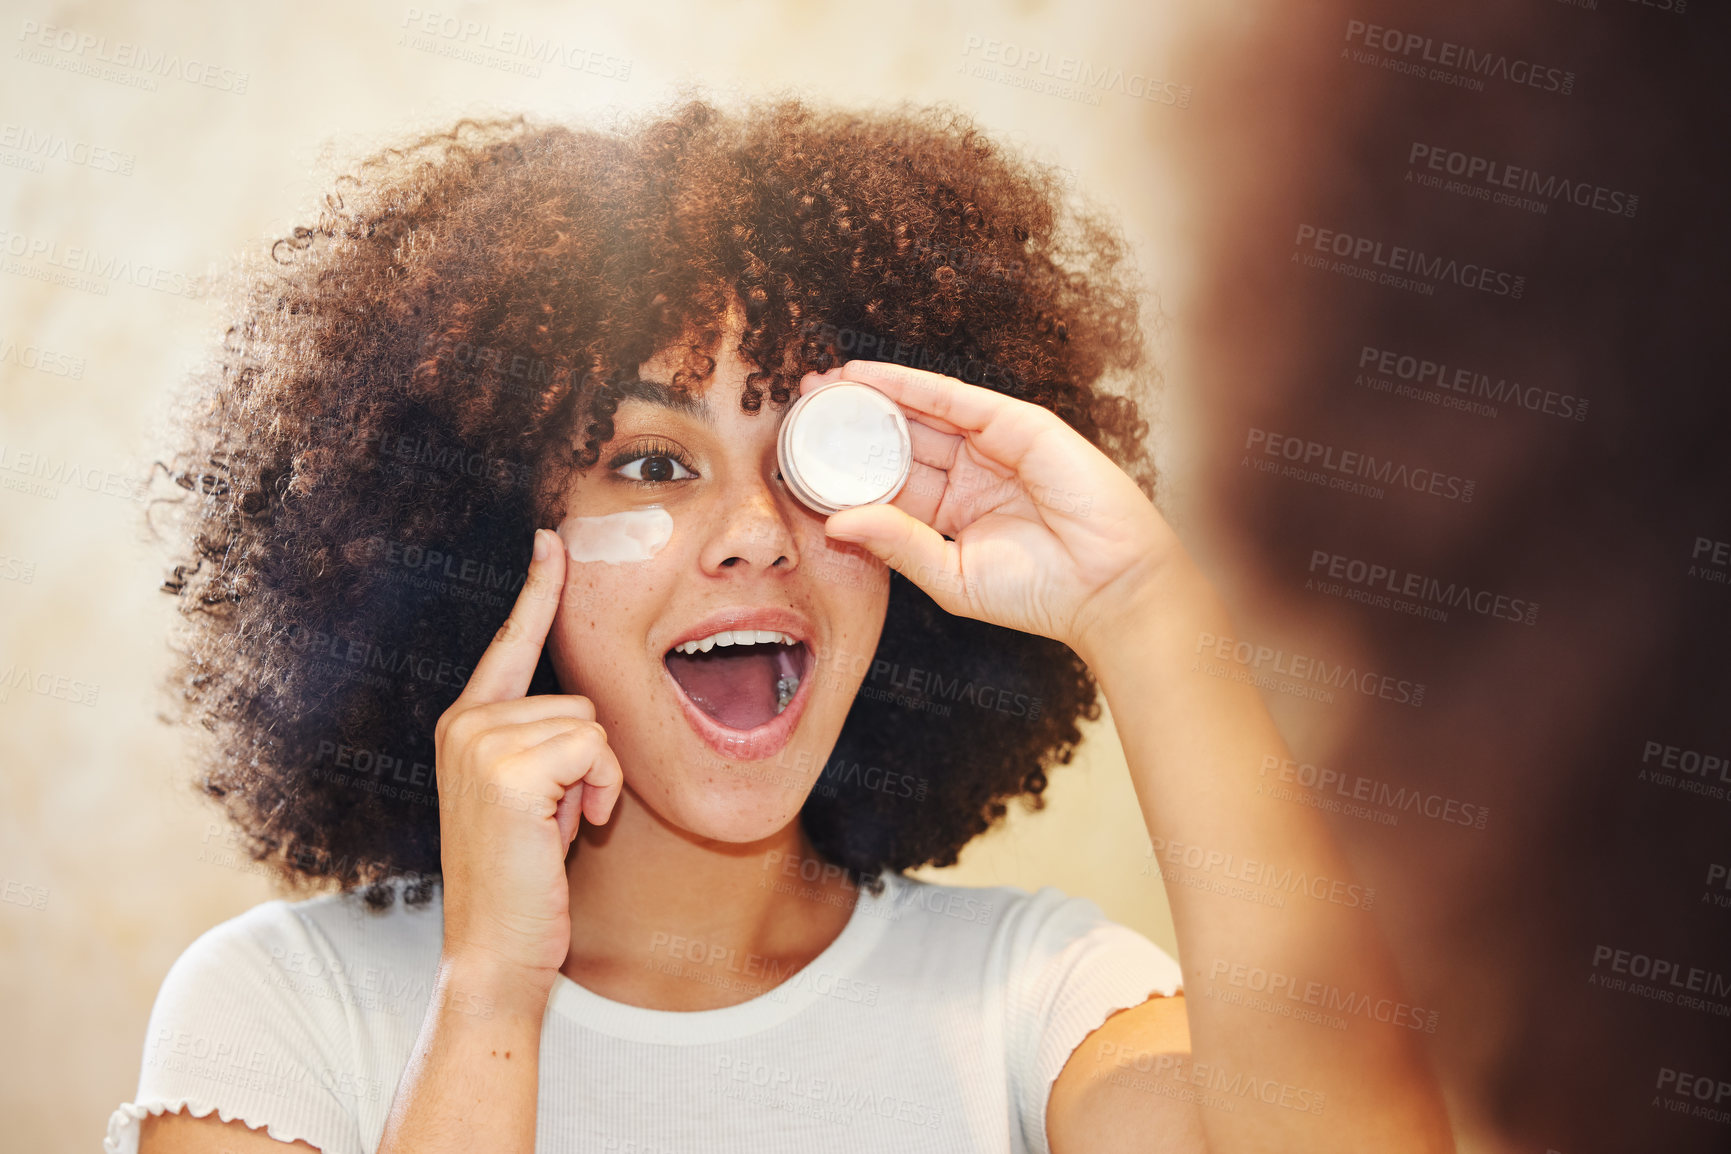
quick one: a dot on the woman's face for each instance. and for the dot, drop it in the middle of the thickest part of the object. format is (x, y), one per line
(723, 743)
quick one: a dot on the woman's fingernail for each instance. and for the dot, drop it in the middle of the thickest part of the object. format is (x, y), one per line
(543, 547)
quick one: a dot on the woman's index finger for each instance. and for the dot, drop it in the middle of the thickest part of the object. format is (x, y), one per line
(964, 406)
(1004, 426)
(508, 665)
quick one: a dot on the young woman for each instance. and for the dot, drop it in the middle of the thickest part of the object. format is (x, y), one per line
(623, 873)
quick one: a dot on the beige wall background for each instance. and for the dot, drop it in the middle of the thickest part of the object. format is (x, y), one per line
(112, 864)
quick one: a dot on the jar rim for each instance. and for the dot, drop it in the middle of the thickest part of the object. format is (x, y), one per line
(789, 462)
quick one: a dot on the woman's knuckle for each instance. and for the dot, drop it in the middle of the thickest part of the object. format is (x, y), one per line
(568, 739)
(582, 743)
(456, 729)
(505, 778)
(490, 745)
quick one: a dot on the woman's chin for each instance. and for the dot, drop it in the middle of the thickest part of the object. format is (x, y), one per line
(732, 803)
(749, 819)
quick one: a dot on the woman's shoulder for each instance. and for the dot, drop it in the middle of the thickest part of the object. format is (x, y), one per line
(1003, 908)
(293, 1014)
(1052, 965)
(332, 945)
(1031, 927)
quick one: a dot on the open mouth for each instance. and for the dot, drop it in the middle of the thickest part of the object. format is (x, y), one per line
(741, 678)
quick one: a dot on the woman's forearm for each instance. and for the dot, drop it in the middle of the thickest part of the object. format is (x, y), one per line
(1274, 932)
(471, 1082)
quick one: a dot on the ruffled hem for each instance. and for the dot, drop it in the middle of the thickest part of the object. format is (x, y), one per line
(123, 1124)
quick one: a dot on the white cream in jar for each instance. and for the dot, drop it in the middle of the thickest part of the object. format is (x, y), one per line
(842, 445)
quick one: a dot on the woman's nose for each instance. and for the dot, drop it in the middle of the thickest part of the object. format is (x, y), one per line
(751, 527)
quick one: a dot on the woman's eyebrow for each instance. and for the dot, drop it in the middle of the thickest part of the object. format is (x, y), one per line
(667, 397)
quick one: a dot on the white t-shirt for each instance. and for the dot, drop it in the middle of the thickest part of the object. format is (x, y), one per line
(936, 1021)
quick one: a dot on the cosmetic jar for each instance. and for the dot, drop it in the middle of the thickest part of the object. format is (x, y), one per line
(842, 445)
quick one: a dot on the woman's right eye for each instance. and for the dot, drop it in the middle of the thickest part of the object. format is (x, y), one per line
(652, 468)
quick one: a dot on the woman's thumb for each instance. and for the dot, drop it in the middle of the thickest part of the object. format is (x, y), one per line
(906, 544)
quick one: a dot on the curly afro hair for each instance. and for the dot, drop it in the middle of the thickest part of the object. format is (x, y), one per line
(394, 407)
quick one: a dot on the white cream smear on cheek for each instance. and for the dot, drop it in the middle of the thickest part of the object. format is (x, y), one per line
(617, 538)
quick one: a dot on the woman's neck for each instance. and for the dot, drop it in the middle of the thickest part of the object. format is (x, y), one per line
(666, 921)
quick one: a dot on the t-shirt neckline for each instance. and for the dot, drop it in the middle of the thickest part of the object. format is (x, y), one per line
(840, 959)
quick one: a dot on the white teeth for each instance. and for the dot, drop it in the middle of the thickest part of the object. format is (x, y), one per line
(735, 637)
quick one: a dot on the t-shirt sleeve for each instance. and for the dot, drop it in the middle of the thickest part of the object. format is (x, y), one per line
(1070, 968)
(233, 1031)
